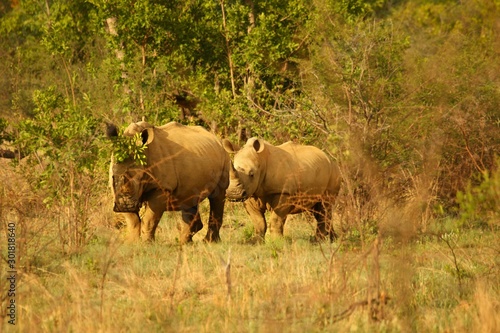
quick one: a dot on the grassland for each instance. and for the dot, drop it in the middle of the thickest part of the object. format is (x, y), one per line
(446, 281)
(405, 95)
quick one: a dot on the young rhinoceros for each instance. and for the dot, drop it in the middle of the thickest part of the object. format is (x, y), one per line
(185, 165)
(286, 179)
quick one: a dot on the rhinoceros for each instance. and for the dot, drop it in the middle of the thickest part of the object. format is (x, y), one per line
(286, 179)
(184, 165)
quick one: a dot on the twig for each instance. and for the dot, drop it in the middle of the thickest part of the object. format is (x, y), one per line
(175, 277)
(455, 261)
(381, 299)
(227, 270)
(467, 148)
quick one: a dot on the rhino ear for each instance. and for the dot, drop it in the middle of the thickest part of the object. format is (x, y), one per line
(111, 130)
(146, 130)
(135, 128)
(258, 145)
(147, 136)
(229, 146)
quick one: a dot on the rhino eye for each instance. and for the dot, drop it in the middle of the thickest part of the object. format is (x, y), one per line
(251, 173)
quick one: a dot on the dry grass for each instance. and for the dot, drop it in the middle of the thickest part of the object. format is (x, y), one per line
(379, 283)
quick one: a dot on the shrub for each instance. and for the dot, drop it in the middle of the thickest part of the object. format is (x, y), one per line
(62, 143)
(479, 204)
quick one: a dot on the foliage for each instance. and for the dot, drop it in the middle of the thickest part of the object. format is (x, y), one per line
(60, 133)
(353, 10)
(62, 143)
(4, 136)
(363, 63)
(479, 204)
(126, 148)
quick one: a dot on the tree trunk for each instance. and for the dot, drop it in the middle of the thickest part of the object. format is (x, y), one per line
(119, 52)
(228, 47)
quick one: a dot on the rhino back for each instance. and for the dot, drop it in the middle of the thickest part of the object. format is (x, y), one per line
(294, 168)
(188, 161)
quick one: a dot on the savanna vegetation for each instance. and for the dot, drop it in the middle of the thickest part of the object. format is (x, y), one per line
(403, 94)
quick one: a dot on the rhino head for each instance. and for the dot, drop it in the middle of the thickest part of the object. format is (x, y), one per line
(128, 178)
(247, 170)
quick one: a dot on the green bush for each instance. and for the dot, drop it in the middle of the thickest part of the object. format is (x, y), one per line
(63, 144)
(479, 204)
(125, 148)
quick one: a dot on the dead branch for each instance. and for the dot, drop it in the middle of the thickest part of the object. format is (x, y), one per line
(382, 299)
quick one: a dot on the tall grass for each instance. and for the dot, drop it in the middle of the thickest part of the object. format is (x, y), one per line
(444, 280)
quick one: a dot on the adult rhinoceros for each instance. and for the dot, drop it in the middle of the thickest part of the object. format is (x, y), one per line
(285, 179)
(185, 165)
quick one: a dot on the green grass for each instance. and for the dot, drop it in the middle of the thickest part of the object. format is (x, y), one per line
(284, 285)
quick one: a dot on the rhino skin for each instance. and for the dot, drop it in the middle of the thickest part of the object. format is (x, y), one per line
(285, 179)
(185, 165)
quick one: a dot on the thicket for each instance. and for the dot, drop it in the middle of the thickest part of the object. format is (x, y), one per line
(404, 94)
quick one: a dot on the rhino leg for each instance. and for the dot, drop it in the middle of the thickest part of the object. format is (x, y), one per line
(322, 212)
(215, 219)
(256, 209)
(133, 226)
(277, 221)
(154, 209)
(278, 216)
(192, 224)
